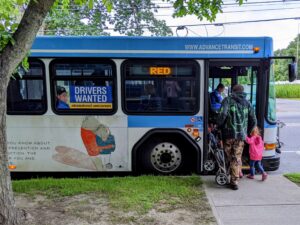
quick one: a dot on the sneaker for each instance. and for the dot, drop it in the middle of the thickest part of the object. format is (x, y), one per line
(264, 176)
(234, 187)
(250, 176)
(241, 174)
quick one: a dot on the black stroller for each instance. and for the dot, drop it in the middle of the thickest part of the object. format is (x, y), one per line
(216, 155)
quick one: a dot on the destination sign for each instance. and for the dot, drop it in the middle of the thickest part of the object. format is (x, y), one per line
(155, 70)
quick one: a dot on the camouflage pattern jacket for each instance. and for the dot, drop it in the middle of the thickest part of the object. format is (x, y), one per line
(236, 117)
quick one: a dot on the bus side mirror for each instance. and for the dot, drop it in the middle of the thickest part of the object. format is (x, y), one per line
(293, 71)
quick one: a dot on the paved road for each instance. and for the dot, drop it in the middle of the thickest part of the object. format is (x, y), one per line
(288, 111)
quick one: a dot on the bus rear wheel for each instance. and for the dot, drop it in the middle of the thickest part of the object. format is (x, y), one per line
(164, 157)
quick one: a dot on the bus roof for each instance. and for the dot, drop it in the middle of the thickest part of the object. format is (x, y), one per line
(152, 47)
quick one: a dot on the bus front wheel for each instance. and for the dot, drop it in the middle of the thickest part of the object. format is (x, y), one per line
(163, 156)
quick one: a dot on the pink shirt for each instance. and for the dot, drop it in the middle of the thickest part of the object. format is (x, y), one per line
(256, 147)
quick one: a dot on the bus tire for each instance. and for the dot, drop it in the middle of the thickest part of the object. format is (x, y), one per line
(163, 156)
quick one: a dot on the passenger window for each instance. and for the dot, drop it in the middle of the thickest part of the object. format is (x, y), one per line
(154, 87)
(83, 86)
(27, 94)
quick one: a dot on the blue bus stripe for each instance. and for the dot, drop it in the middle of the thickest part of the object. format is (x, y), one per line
(165, 121)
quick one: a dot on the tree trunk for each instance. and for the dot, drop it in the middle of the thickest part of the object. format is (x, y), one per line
(10, 57)
(8, 213)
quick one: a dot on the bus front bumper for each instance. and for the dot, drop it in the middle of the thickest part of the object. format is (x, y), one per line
(271, 163)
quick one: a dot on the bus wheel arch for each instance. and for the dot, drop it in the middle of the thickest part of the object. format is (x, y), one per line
(166, 151)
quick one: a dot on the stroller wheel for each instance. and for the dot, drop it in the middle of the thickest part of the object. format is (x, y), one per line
(209, 165)
(221, 179)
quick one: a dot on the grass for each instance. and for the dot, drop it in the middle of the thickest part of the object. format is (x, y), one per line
(294, 177)
(287, 91)
(128, 193)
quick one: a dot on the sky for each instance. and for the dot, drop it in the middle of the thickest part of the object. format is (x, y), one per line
(282, 32)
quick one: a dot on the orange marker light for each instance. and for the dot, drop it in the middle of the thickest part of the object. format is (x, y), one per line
(271, 146)
(256, 49)
(195, 132)
(160, 70)
(12, 167)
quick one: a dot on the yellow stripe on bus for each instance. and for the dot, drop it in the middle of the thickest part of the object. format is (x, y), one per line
(90, 105)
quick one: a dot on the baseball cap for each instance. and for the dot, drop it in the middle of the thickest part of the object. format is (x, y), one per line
(60, 90)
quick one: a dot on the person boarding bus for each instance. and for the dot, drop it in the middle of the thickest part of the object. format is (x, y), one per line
(236, 119)
(216, 97)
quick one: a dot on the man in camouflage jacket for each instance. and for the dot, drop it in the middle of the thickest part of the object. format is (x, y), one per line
(236, 119)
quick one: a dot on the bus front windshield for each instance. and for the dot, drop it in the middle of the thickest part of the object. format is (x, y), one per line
(272, 97)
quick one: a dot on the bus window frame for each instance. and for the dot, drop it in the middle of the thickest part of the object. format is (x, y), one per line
(158, 60)
(54, 78)
(44, 100)
(268, 64)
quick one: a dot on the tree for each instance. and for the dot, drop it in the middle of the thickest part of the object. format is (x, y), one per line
(77, 20)
(13, 49)
(134, 17)
(15, 43)
(129, 17)
(281, 65)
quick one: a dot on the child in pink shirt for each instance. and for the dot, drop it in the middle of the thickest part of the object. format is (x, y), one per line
(256, 149)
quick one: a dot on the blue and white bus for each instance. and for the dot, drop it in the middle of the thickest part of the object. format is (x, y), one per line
(132, 103)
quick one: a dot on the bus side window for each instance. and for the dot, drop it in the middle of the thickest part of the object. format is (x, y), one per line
(83, 86)
(149, 91)
(14, 97)
(26, 95)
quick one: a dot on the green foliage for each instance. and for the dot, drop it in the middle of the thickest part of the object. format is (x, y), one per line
(201, 8)
(133, 17)
(5, 38)
(281, 65)
(108, 4)
(9, 11)
(70, 22)
(226, 81)
(131, 193)
(129, 17)
(287, 91)
(9, 14)
(294, 177)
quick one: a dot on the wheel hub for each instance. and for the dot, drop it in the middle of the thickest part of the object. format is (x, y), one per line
(166, 157)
